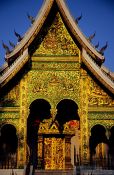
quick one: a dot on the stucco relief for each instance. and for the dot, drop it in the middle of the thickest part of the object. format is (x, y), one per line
(12, 98)
(53, 85)
(98, 97)
(57, 40)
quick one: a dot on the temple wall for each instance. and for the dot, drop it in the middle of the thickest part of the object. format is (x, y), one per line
(55, 72)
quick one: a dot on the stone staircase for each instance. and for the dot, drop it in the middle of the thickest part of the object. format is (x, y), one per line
(54, 172)
(97, 172)
(83, 171)
(37, 172)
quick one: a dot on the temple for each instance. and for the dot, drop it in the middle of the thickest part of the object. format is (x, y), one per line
(56, 97)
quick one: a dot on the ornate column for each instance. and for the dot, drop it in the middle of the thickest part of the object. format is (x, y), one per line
(83, 112)
(40, 152)
(68, 152)
(22, 148)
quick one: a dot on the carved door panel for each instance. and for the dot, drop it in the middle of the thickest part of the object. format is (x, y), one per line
(54, 153)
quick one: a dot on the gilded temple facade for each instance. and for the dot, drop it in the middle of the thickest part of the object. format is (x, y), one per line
(54, 81)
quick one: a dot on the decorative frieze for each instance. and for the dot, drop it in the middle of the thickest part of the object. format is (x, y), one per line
(55, 66)
(53, 86)
(98, 97)
(101, 115)
(57, 40)
(12, 98)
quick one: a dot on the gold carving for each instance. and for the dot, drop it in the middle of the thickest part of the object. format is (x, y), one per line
(83, 111)
(49, 85)
(57, 41)
(101, 115)
(12, 98)
(106, 123)
(54, 153)
(98, 97)
(9, 115)
(22, 150)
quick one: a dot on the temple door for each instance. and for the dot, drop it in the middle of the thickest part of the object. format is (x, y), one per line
(54, 153)
(102, 155)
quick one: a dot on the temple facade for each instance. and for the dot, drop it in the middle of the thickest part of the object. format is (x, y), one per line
(56, 98)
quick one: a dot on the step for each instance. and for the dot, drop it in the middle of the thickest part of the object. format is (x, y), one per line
(54, 172)
(58, 172)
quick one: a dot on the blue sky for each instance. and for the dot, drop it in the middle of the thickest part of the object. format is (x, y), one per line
(97, 16)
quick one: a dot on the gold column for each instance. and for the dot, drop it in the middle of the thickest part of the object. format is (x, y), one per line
(83, 112)
(22, 150)
(40, 152)
(68, 152)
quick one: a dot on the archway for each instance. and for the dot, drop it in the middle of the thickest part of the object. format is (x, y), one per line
(111, 147)
(98, 145)
(8, 146)
(67, 110)
(39, 110)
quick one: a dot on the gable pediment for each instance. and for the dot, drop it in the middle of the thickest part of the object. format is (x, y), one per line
(56, 35)
(55, 39)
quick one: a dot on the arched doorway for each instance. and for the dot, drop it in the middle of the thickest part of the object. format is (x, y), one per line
(111, 147)
(50, 150)
(39, 110)
(57, 147)
(8, 147)
(98, 144)
(67, 110)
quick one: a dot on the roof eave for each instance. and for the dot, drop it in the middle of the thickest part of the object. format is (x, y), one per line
(14, 69)
(35, 28)
(77, 32)
(40, 19)
(97, 71)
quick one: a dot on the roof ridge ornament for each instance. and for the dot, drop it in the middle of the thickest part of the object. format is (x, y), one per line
(18, 36)
(6, 47)
(31, 18)
(97, 45)
(91, 37)
(103, 48)
(12, 44)
(78, 18)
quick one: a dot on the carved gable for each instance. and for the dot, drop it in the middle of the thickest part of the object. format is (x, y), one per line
(12, 98)
(98, 97)
(57, 41)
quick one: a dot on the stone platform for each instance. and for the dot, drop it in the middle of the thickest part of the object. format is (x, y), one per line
(58, 172)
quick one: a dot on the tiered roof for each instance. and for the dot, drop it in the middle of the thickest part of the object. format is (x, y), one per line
(90, 56)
